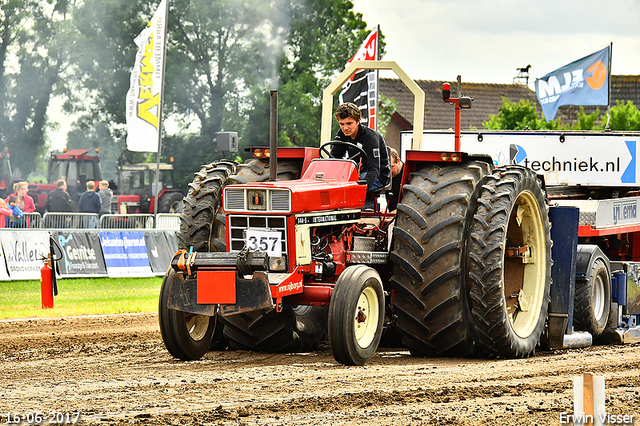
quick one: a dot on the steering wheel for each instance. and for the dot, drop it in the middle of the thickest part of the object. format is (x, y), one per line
(360, 152)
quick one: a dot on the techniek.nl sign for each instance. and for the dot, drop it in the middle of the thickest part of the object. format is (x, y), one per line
(563, 159)
(125, 254)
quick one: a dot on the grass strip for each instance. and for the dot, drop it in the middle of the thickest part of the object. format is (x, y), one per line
(80, 296)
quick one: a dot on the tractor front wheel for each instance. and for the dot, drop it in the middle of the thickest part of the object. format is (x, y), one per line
(593, 299)
(356, 315)
(186, 336)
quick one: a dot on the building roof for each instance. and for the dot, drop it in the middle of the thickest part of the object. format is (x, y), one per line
(440, 115)
(487, 100)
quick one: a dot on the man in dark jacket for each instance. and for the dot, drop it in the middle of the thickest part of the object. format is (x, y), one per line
(90, 202)
(59, 200)
(377, 170)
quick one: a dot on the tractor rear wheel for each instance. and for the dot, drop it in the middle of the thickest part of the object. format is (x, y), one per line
(186, 336)
(430, 238)
(199, 229)
(356, 315)
(295, 329)
(200, 224)
(593, 299)
(509, 263)
(170, 202)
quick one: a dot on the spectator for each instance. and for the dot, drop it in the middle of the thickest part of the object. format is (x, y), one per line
(17, 220)
(397, 169)
(5, 214)
(106, 194)
(90, 202)
(59, 200)
(25, 202)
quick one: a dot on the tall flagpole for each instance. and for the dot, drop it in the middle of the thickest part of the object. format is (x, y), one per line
(377, 78)
(164, 60)
(606, 127)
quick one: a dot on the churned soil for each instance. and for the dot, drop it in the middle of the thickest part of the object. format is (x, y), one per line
(114, 370)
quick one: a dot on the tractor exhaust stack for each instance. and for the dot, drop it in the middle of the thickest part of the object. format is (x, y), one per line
(273, 138)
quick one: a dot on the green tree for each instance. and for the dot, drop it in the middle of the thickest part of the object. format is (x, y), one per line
(32, 59)
(624, 116)
(519, 116)
(586, 121)
(223, 56)
(323, 36)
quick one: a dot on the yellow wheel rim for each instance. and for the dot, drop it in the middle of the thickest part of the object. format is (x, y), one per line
(366, 317)
(525, 265)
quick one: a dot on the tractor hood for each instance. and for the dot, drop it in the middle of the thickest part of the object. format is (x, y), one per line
(327, 184)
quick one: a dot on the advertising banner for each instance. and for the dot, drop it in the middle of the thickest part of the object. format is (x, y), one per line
(605, 159)
(4, 275)
(160, 250)
(81, 254)
(24, 251)
(582, 82)
(144, 101)
(125, 254)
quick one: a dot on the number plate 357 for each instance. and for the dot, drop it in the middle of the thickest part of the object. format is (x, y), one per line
(265, 241)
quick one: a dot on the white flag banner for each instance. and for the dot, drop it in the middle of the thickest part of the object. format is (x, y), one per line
(144, 100)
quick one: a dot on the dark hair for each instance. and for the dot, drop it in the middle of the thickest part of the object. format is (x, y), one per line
(347, 110)
(13, 199)
(394, 154)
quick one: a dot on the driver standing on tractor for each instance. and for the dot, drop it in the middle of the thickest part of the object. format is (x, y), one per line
(377, 170)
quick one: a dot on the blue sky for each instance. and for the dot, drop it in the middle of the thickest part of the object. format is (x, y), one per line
(487, 40)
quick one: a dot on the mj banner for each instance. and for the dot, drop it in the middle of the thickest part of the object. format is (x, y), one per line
(144, 101)
(583, 82)
(362, 88)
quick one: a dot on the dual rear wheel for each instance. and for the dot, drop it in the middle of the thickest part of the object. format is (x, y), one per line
(472, 261)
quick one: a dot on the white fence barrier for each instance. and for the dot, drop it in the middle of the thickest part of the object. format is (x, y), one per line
(70, 220)
(50, 220)
(166, 221)
(126, 221)
(30, 220)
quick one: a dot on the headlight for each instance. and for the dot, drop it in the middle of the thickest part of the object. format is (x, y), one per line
(277, 263)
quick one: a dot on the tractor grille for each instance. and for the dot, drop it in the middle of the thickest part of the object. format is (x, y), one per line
(252, 199)
(238, 224)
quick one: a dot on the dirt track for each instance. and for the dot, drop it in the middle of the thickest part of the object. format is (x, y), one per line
(115, 371)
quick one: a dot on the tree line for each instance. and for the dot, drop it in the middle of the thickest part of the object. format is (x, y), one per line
(523, 115)
(223, 57)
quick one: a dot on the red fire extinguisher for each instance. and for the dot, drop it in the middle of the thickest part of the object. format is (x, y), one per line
(48, 283)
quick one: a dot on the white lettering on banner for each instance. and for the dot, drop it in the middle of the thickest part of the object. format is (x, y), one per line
(116, 256)
(551, 90)
(124, 242)
(80, 253)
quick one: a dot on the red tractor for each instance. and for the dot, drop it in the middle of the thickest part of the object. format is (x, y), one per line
(275, 256)
(6, 174)
(73, 165)
(135, 189)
